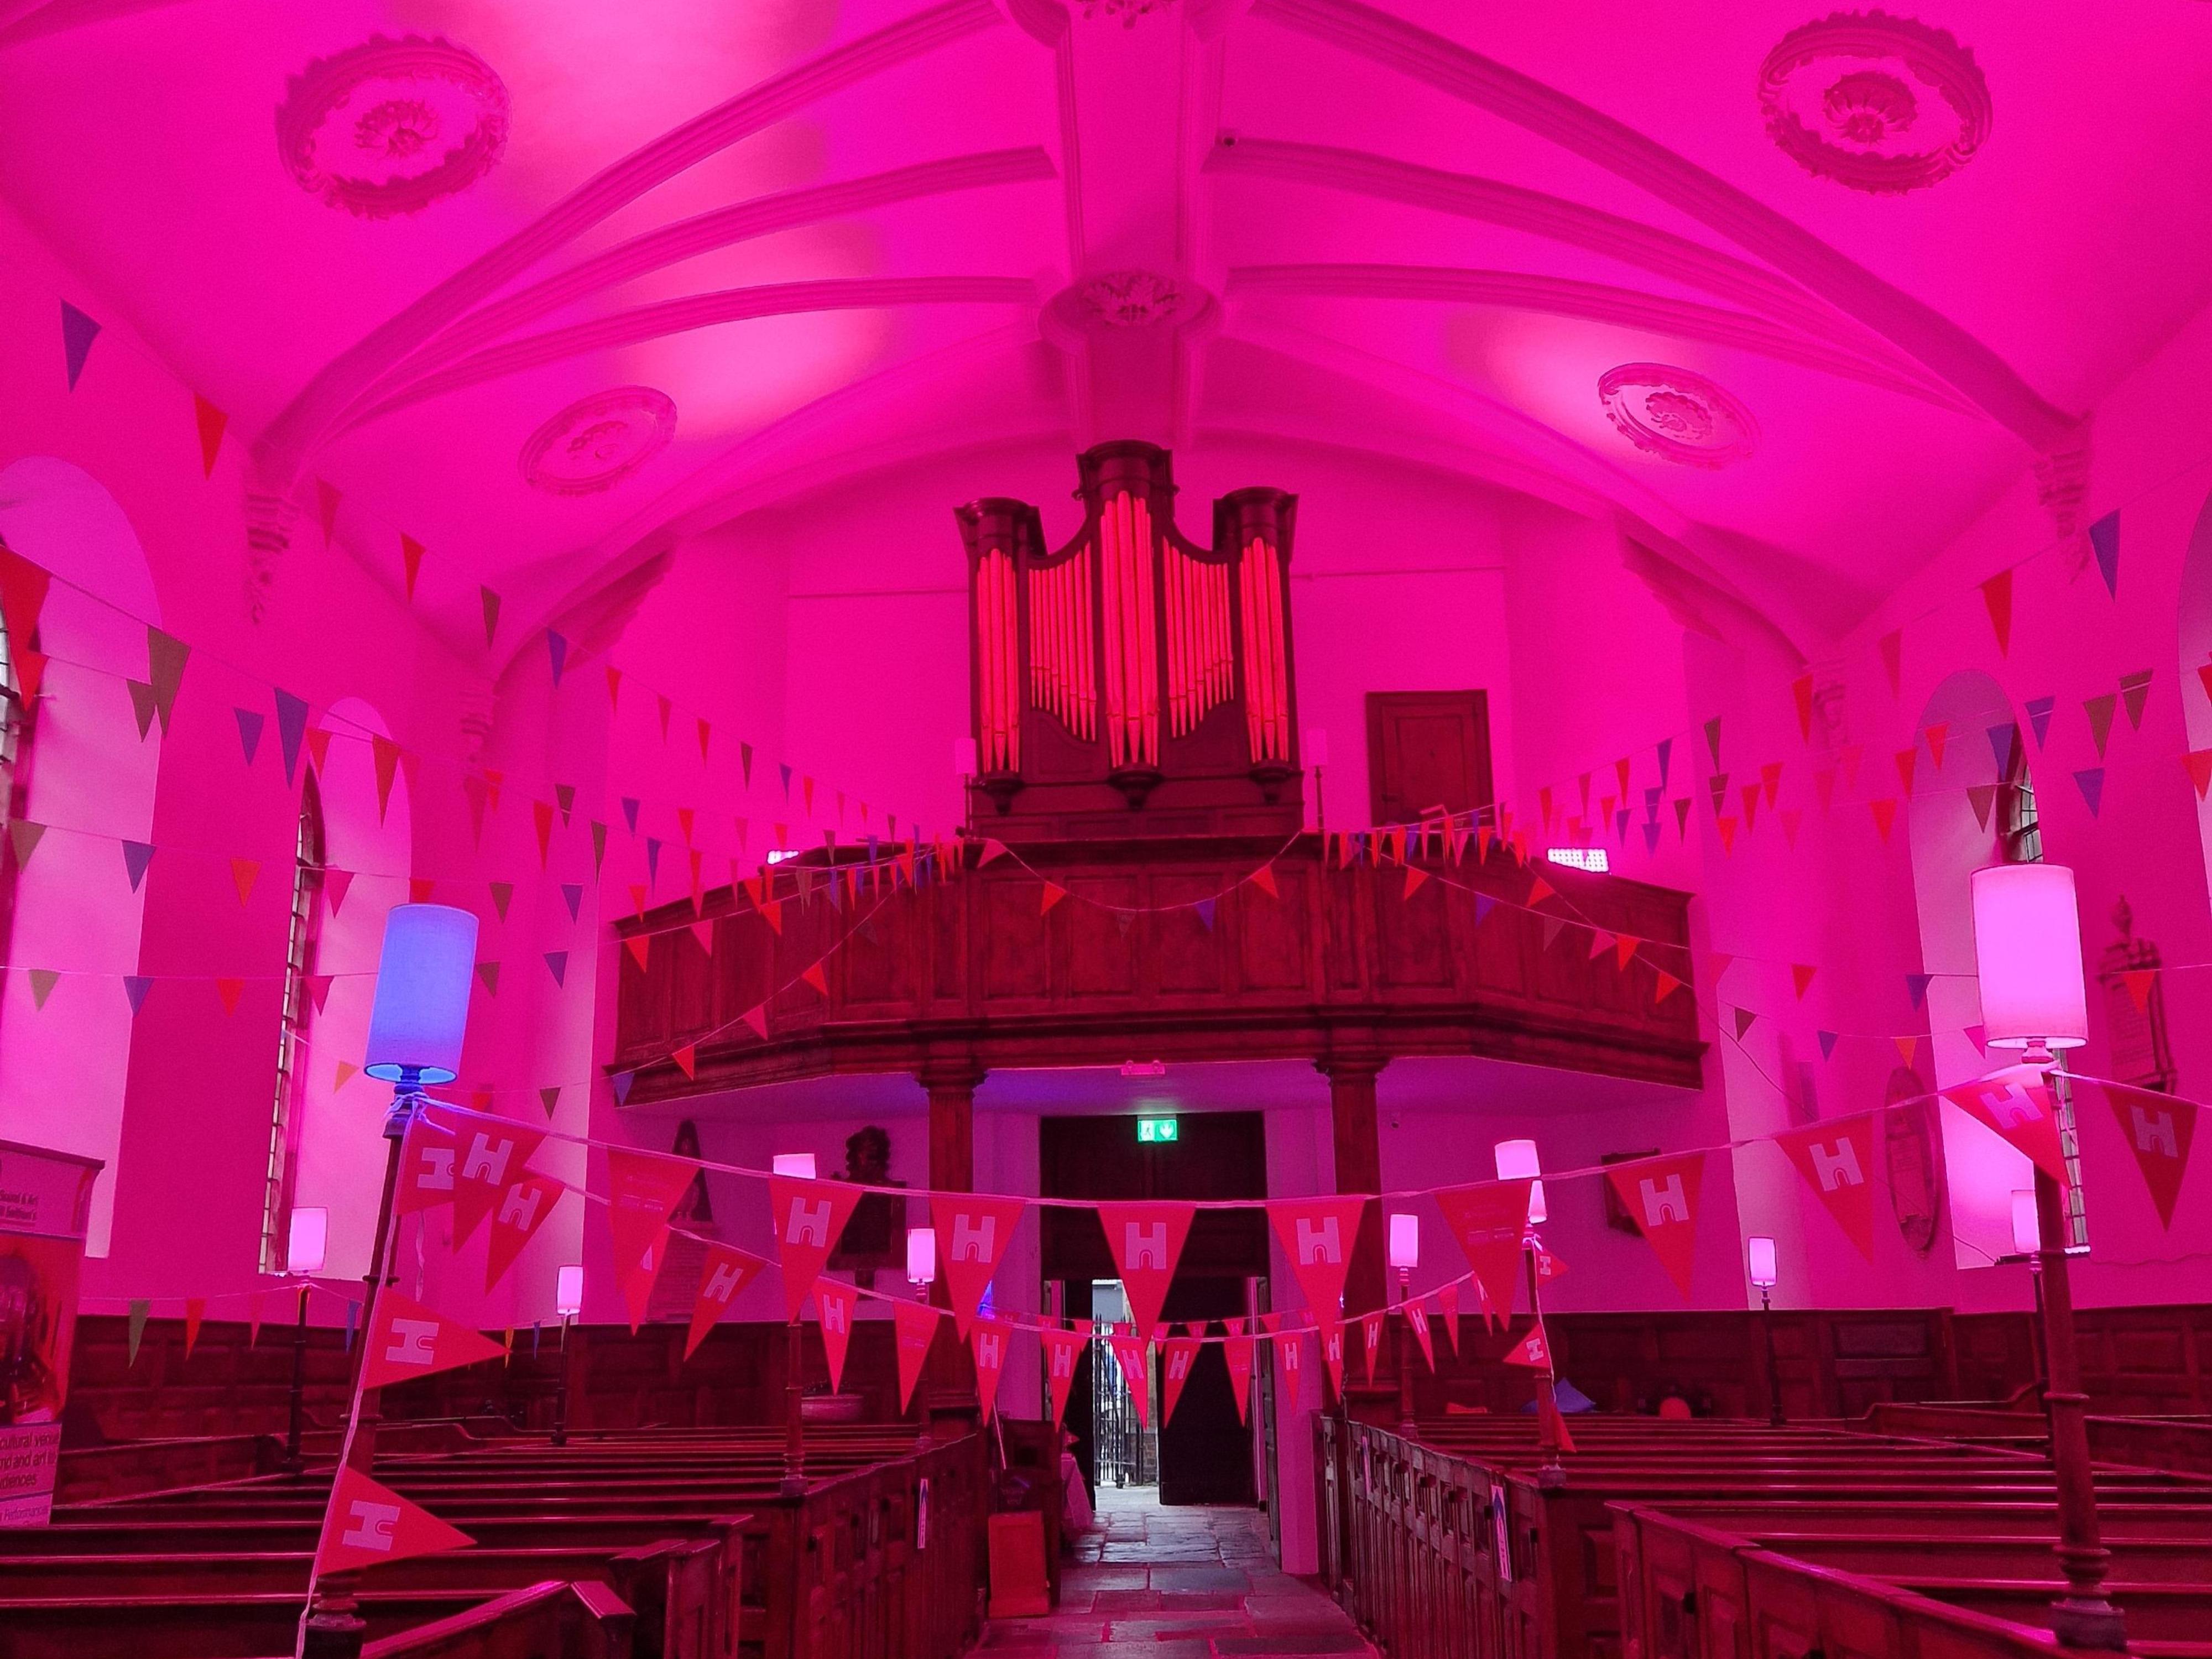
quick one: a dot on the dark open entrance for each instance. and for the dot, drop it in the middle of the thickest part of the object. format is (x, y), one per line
(1205, 1455)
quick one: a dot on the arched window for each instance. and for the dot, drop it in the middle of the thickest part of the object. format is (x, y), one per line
(309, 859)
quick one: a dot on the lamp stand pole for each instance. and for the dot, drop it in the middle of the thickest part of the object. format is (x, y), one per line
(560, 1399)
(2083, 1617)
(1552, 1475)
(406, 1101)
(794, 1421)
(292, 1461)
(1405, 1357)
(1773, 1372)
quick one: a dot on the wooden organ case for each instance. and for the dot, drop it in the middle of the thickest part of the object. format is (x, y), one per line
(1131, 683)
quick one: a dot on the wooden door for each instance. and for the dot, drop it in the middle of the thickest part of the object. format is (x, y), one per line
(1427, 750)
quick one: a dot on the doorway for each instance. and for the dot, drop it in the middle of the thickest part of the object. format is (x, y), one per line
(1204, 1455)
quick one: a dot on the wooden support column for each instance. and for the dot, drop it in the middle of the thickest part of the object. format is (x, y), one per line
(948, 1381)
(1351, 1074)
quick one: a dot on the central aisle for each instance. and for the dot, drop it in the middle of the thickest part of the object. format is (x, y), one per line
(1191, 1583)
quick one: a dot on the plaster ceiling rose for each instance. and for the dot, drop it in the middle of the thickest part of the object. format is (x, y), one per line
(388, 127)
(1677, 416)
(1127, 10)
(1881, 104)
(1125, 302)
(598, 441)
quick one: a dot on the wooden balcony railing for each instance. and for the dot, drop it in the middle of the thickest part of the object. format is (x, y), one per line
(974, 971)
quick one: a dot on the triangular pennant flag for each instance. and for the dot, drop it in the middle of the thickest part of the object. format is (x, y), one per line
(291, 727)
(140, 1307)
(1417, 1320)
(23, 589)
(1145, 1241)
(250, 726)
(1291, 1362)
(490, 615)
(134, 987)
(1317, 1234)
(2134, 696)
(78, 332)
(136, 855)
(1827, 1044)
(686, 1059)
(2091, 782)
(522, 1209)
(620, 1084)
(407, 1340)
(1801, 689)
(807, 1218)
(1661, 1197)
(2018, 1105)
(667, 708)
(1132, 1354)
(913, 1327)
(640, 946)
(488, 974)
(487, 1157)
(1745, 1019)
(343, 1073)
(722, 1277)
(23, 836)
(243, 874)
(813, 976)
(2105, 543)
(1178, 1355)
(1906, 761)
(254, 1318)
(2100, 709)
(2139, 981)
(974, 1233)
(210, 423)
(144, 705)
(572, 894)
(1061, 1350)
(1908, 1050)
(1916, 987)
(1205, 907)
(410, 559)
(1885, 814)
(1800, 976)
(836, 1303)
(1533, 1352)
(1996, 597)
(1490, 1220)
(2040, 710)
(366, 1524)
(1892, 658)
(1938, 733)
(1332, 1355)
(1370, 1338)
(1982, 796)
(756, 1018)
(385, 754)
(229, 990)
(43, 981)
(1264, 879)
(1713, 738)
(1836, 1159)
(2160, 1129)
(988, 1343)
(194, 1312)
(1663, 985)
(549, 1096)
(337, 883)
(643, 1189)
(1448, 1310)
(1054, 892)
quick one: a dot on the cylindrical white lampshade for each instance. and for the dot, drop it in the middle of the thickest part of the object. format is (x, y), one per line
(964, 757)
(1761, 1250)
(1537, 1213)
(1405, 1240)
(921, 1255)
(2027, 947)
(1518, 1160)
(568, 1291)
(308, 1242)
(799, 1166)
(1316, 746)
(421, 1009)
(2026, 1223)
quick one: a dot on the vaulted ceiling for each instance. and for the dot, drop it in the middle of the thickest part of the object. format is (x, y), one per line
(544, 284)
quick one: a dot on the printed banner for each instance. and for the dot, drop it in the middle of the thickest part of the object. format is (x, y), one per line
(837, 1302)
(407, 1340)
(973, 1236)
(1147, 1241)
(45, 1201)
(1661, 1196)
(1835, 1159)
(1317, 1234)
(2019, 1105)
(724, 1276)
(522, 1208)
(368, 1524)
(490, 1157)
(1490, 1221)
(808, 1216)
(643, 1188)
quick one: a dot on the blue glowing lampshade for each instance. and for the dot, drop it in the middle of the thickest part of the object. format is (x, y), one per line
(421, 994)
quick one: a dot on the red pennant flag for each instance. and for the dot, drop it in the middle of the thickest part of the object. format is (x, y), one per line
(1370, 1338)
(2019, 1105)
(642, 1189)
(1145, 1241)
(1332, 1353)
(523, 1209)
(727, 1272)
(406, 1340)
(916, 1327)
(1801, 975)
(1490, 1221)
(385, 754)
(1291, 1358)
(1835, 1159)
(1448, 1307)
(1061, 1350)
(1417, 1315)
(491, 1153)
(366, 1523)
(211, 421)
(1996, 595)
(1661, 1196)
(410, 558)
(1237, 1351)
(987, 1342)
(2160, 1128)
(807, 1217)
(1317, 1234)
(1130, 1352)
(1178, 1355)
(429, 1157)
(973, 1236)
(1264, 879)
(1533, 1351)
(837, 1302)
(195, 1311)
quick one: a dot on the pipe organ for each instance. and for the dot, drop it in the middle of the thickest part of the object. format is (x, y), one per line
(1131, 682)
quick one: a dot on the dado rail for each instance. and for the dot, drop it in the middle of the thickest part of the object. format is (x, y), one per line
(1090, 952)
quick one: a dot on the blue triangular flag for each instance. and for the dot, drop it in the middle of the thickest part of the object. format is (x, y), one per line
(786, 770)
(136, 855)
(1621, 825)
(2105, 541)
(559, 962)
(558, 649)
(2092, 783)
(1666, 752)
(652, 860)
(249, 731)
(537, 1329)
(1916, 987)
(629, 812)
(291, 727)
(1827, 1044)
(135, 986)
(573, 891)
(1651, 837)
(2003, 739)
(620, 1083)
(353, 1317)
(1651, 800)
(2039, 716)
(1484, 904)
(77, 332)
(1205, 908)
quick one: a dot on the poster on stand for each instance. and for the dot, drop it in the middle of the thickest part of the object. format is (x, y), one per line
(45, 1198)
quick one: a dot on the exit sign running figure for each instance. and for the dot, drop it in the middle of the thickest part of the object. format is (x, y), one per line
(1156, 1128)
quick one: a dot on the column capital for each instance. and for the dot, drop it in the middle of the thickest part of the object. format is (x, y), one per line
(1352, 1062)
(950, 1073)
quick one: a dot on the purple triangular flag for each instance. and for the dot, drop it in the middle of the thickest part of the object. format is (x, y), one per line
(559, 962)
(2039, 716)
(291, 728)
(249, 731)
(1666, 753)
(556, 648)
(2092, 784)
(2105, 541)
(786, 770)
(745, 761)
(620, 1083)
(1484, 904)
(2003, 739)
(136, 855)
(1827, 1044)
(652, 859)
(1916, 987)
(1205, 908)
(77, 334)
(135, 986)
(573, 891)
(1650, 838)
(629, 812)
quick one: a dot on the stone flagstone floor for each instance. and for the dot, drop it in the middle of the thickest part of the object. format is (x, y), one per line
(1177, 1583)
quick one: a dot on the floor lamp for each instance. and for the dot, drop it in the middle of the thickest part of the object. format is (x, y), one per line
(568, 1303)
(305, 1247)
(1405, 1256)
(798, 1166)
(1517, 1161)
(1760, 1252)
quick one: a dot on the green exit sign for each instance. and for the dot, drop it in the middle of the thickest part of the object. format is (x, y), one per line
(1156, 1128)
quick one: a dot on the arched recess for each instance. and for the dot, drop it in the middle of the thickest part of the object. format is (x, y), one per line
(340, 1152)
(1959, 815)
(90, 778)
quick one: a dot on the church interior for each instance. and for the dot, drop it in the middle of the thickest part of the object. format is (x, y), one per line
(1130, 828)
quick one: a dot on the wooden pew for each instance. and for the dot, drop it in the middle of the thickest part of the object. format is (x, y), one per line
(552, 1620)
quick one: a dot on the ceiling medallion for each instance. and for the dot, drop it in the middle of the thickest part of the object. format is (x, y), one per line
(1132, 299)
(1127, 10)
(597, 443)
(389, 126)
(1677, 416)
(1881, 104)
